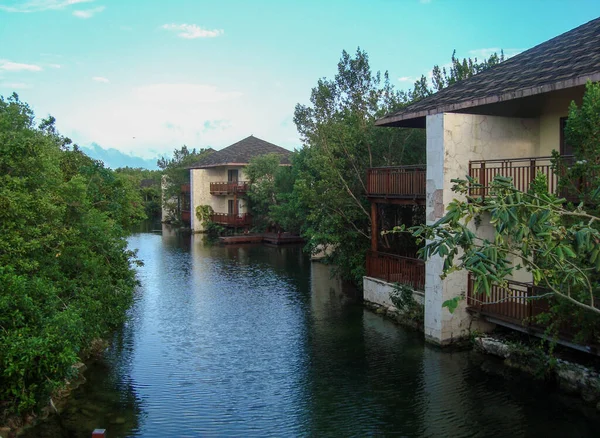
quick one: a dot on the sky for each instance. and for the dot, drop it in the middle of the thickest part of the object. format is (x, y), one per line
(147, 76)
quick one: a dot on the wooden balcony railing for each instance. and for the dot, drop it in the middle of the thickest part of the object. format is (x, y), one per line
(396, 269)
(521, 170)
(232, 220)
(185, 188)
(406, 182)
(517, 305)
(185, 216)
(228, 187)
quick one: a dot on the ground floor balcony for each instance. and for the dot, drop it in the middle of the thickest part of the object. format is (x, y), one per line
(228, 187)
(521, 170)
(518, 306)
(396, 269)
(243, 220)
(401, 184)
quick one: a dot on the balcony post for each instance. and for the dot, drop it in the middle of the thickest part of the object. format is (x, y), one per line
(532, 171)
(483, 180)
(374, 227)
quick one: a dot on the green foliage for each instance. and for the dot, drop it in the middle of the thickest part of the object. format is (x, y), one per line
(341, 142)
(148, 184)
(580, 178)
(65, 272)
(176, 172)
(212, 229)
(272, 201)
(402, 297)
(532, 231)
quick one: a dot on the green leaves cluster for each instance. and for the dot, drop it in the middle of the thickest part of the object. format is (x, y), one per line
(65, 271)
(534, 231)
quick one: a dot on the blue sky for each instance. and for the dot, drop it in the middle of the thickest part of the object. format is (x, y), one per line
(146, 76)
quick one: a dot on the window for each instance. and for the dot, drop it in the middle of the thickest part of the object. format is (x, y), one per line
(232, 175)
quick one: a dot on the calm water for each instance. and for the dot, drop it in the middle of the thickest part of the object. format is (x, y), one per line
(259, 341)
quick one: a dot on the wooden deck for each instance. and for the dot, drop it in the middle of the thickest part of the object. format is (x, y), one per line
(271, 238)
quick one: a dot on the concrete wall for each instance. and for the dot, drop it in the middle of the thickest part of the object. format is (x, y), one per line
(378, 292)
(555, 107)
(452, 141)
(200, 180)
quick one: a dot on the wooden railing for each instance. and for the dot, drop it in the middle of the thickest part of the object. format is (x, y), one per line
(232, 220)
(228, 187)
(185, 188)
(521, 170)
(396, 269)
(397, 182)
(186, 216)
(516, 304)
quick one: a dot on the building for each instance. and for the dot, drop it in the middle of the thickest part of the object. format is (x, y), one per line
(218, 180)
(506, 120)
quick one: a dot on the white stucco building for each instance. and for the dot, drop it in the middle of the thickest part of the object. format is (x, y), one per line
(218, 180)
(506, 120)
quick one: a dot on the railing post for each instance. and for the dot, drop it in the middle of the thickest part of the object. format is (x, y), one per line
(483, 180)
(532, 170)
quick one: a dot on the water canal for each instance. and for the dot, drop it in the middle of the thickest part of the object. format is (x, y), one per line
(259, 341)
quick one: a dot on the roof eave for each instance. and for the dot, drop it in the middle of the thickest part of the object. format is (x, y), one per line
(405, 118)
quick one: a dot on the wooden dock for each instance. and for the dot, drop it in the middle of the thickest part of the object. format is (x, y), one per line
(271, 238)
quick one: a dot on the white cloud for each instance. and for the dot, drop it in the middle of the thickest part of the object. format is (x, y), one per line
(88, 13)
(406, 79)
(100, 79)
(40, 5)
(54, 65)
(183, 94)
(192, 31)
(16, 66)
(15, 85)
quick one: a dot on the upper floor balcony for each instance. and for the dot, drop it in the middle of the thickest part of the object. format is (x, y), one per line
(228, 187)
(521, 170)
(399, 184)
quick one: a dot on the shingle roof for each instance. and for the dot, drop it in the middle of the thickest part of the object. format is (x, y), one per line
(241, 152)
(566, 61)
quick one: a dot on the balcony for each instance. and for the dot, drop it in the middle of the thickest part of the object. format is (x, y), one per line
(396, 269)
(517, 307)
(228, 187)
(186, 216)
(521, 170)
(232, 220)
(185, 188)
(403, 184)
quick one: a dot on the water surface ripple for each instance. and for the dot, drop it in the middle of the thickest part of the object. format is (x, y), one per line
(259, 341)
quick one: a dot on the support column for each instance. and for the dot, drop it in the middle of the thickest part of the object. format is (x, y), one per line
(374, 226)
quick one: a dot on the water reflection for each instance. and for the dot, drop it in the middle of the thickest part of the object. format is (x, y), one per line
(259, 341)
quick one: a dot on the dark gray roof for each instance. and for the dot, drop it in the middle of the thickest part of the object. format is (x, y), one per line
(241, 152)
(566, 61)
